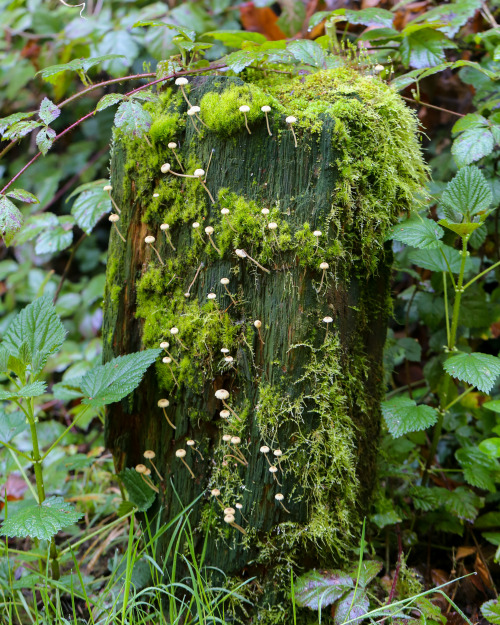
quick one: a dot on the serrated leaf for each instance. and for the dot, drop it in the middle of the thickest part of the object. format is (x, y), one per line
(54, 240)
(451, 17)
(433, 259)
(491, 611)
(45, 139)
(236, 38)
(317, 589)
(423, 48)
(67, 390)
(402, 415)
(371, 16)
(11, 219)
(352, 607)
(472, 145)
(308, 52)
(106, 384)
(460, 229)
(109, 99)
(20, 129)
(132, 119)
(417, 232)
(6, 122)
(140, 494)
(34, 225)
(22, 196)
(90, 206)
(41, 521)
(186, 32)
(471, 120)
(462, 503)
(11, 424)
(48, 111)
(479, 370)
(479, 468)
(51, 73)
(39, 327)
(125, 507)
(35, 389)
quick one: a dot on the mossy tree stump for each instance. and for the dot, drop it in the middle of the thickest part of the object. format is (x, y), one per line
(298, 384)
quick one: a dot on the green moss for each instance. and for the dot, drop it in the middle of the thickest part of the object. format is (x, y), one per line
(165, 128)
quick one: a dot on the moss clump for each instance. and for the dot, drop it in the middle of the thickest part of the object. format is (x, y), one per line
(165, 128)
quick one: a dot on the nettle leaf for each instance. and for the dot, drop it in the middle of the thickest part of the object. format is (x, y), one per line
(402, 415)
(38, 327)
(48, 111)
(140, 494)
(317, 589)
(132, 119)
(41, 521)
(45, 139)
(35, 389)
(11, 219)
(423, 47)
(352, 607)
(20, 129)
(479, 370)
(460, 229)
(106, 384)
(22, 196)
(92, 203)
(462, 503)
(236, 38)
(472, 145)
(11, 424)
(417, 232)
(308, 52)
(480, 469)
(7, 122)
(109, 100)
(491, 611)
(433, 259)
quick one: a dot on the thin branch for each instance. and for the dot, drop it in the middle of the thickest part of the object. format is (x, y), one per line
(68, 266)
(432, 106)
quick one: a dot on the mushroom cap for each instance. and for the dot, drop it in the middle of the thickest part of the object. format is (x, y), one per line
(257, 323)
(324, 265)
(265, 108)
(149, 454)
(163, 403)
(273, 469)
(211, 296)
(167, 360)
(190, 442)
(244, 108)
(225, 414)
(379, 68)
(279, 496)
(224, 280)
(180, 453)
(147, 472)
(107, 187)
(195, 109)
(235, 440)
(277, 453)
(164, 227)
(224, 350)
(140, 468)
(199, 173)
(113, 218)
(222, 393)
(165, 168)
(317, 233)
(327, 319)
(265, 211)
(272, 225)
(149, 239)
(196, 224)
(228, 358)
(238, 506)
(164, 344)
(229, 511)
(181, 81)
(226, 437)
(215, 492)
(291, 119)
(264, 449)
(225, 211)
(172, 145)
(229, 518)
(241, 253)
(187, 294)
(156, 195)
(174, 330)
(209, 230)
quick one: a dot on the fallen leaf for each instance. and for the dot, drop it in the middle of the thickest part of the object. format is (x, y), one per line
(261, 20)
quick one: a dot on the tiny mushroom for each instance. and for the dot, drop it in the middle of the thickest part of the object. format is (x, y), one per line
(225, 282)
(149, 454)
(225, 414)
(290, 120)
(265, 450)
(167, 361)
(191, 113)
(378, 68)
(258, 324)
(245, 109)
(192, 443)
(194, 110)
(165, 345)
(165, 228)
(211, 296)
(225, 212)
(235, 441)
(108, 188)
(279, 497)
(267, 109)
(209, 231)
(239, 507)
(180, 82)
(172, 145)
(149, 240)
(323, 266)
(164, 403)
(229, 518)
(215, 492)
(317, 234)
(273, 470)
(181, 453)
(174, 332)
(328, 321)
(142, 470)
(273, 226)
(113, 219)
(243, 254)
(222, 394)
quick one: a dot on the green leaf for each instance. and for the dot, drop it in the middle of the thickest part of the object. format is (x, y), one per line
(417, 232)
(368, 570)
(41, 521)
(372, 16)
(48, 111)
(54, 240)
(462, 503)
(490, 447)
(140, 494)
(236, 38)
(11, 424)
(132, 119)
(492, 405)
(34, 225)
(92, 203)
(480, 469)
(352, 607)
(39, 327)
(433, 259)
(21, 129)
(22, 196)
(450, 17)
(106, 384)
(186, 32)
(109, 99)
(52, 73)
(402, 415)
(35, 389)
(472, 145)
(317, 589)
(45, 139)
(423, 48)
(491, 611)
(460, 229)
(11, 219)
(308, 52)
(468, 194)
(490, 519)
(471, 120)
(6, 122)
(479, 370)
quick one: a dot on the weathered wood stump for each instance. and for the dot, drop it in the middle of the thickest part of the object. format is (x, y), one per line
(298, 231)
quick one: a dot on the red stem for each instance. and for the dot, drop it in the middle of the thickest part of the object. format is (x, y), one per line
(398, 566)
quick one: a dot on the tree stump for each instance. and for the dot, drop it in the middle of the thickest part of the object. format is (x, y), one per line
(300, 214)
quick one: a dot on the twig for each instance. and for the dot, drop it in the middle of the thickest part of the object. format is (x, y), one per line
(432, 106)
(68, 266)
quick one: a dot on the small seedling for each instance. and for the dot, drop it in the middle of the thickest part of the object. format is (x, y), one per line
(290, 120)
(149, 240)
(113, 219)
(181, 454)
(267, 109)
(165, 228)
(164, 403)
(245, 109)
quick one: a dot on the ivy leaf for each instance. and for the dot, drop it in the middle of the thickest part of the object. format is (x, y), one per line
(11, 219)
(109, 99)
(417, 232)
(90, 205)
(402, 415)
(48, 111)
(479, 370)
(106, 384)
(317, 589)
(35, 389)
(308, 52)
(132, 119)
(45, 139)
(423, 47)
(20, 129)
(352, 607)
(491, 611)
(38, 327)
(23, 196)
(472, 145)
(140, 494)
(11, 424)
(41, 521)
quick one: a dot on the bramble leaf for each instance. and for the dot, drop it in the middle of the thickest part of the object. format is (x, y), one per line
(41, 521)
(10, 120)
(55, 239)
(132, 119)
(317, 589)
(472, 145)
(51, 73)
(423, 47)
(106, 384)
(22, 196)
(20, 129)
(402, 415)
(110, 99)
(479, 370)
(90, 205)
(48, 111)
(491, 611)
(11, 219)
(352, 607)
(45, 139)
(417, 232)
(308, 52)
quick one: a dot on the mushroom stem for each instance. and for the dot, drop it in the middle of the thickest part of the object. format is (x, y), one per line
(194, 124)
(279, 484)
(284, 507)
(235, 525)
(237, 458)
(157, 472)
(209, 161)
(178, 160)
(113, 202)
(293, 133)
(167, 234)
(235, 448)
(150, 484)
(178, 339)
(185, 96)
(166, 416)
(267, 122)
(245, 255)
(188, 467)
(230, 409)
(322, 278)
(195, 276)
(246, 123)
(209, 194)
(210, 237)
(227, 290)
(200, 120)
(119, 233)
